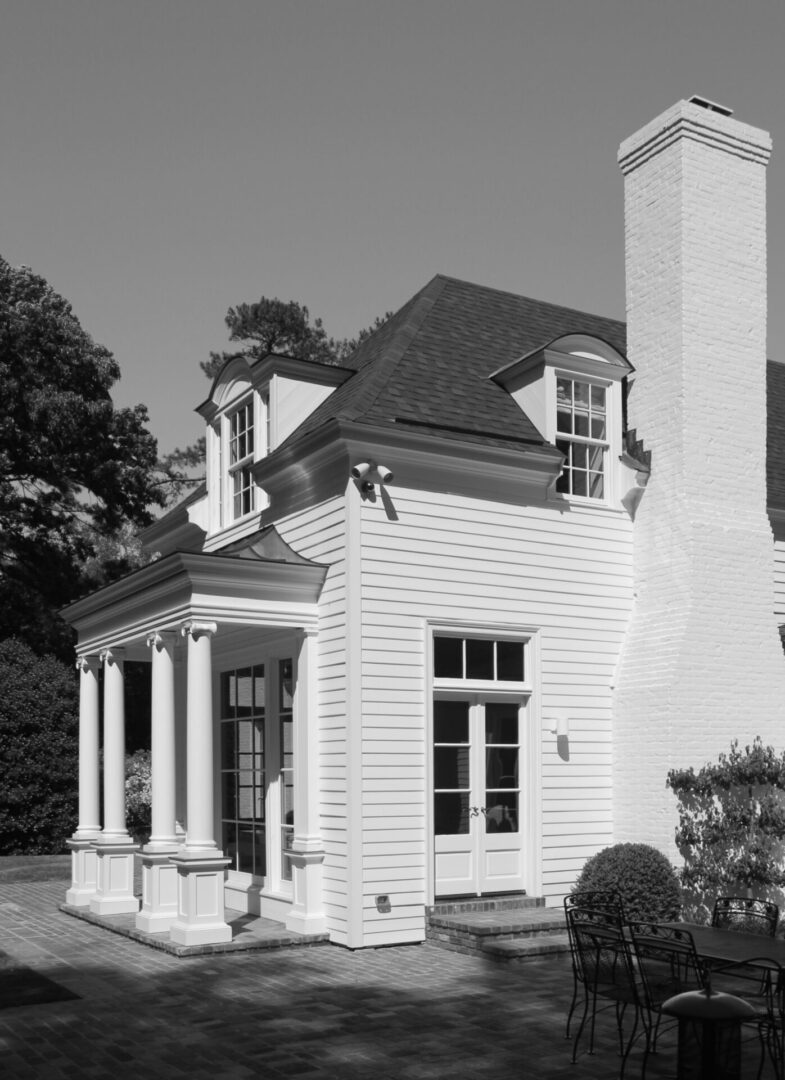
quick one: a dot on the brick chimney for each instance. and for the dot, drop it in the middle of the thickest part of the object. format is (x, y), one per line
(702, 662)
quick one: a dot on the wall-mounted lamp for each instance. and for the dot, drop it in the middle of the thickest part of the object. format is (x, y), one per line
(561, 725)
(368, 473)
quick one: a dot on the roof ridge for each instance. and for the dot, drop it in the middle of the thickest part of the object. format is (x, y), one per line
(402, 336)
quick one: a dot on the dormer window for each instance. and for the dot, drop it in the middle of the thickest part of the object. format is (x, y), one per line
(572, 392)
(241, 456)
(581, 424)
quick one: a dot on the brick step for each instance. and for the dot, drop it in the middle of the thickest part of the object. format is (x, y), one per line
(502, 933)
(502, 902)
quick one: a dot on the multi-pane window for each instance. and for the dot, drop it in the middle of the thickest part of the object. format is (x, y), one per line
(286, 727)
(241, 453)
(243, 769)
(581, 424)
(478, 658)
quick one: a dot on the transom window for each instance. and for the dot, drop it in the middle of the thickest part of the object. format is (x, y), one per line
(581, 424)
(241, 453)
(481, 658)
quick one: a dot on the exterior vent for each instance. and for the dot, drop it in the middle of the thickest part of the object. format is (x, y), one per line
(712, 106)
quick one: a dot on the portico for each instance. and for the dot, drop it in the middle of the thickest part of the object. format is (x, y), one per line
(173, 613)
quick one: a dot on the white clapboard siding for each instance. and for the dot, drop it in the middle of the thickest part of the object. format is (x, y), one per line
(779, 580)
(568, 576)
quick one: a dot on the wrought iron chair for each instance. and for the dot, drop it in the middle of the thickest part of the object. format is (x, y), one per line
(668, 964)
(597, 901)
(746, 915)
(761, 983)
(607, 974)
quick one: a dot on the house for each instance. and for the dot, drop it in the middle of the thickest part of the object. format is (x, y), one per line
(440, 621)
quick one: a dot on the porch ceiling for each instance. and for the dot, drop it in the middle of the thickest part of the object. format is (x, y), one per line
(238, 589)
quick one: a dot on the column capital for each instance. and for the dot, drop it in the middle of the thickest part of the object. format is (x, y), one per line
(113, 655)
(88, 662)
(198, 628)
(161, 639)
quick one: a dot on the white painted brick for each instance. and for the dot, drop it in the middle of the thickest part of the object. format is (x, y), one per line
(702, 662)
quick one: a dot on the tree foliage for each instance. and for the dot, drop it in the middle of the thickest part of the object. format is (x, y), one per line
(731, 829)
(73, 467)
(283, 326)
(38, 751)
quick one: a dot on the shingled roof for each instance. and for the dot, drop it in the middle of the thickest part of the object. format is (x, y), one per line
(428, 367)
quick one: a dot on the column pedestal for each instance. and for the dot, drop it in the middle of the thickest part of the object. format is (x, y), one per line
(115, 892)
(84, 873)
(159, 890)
(306, 915)
(200, 899)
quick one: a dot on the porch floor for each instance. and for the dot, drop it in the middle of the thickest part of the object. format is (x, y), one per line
(248, 932)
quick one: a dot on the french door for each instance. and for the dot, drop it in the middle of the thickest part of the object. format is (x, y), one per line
(477, 771)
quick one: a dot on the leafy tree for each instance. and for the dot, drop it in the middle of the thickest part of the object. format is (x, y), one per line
(74, 469)
(731, 829)
(38, 751)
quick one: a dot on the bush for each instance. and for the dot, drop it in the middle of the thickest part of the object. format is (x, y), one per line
(642, 876)
(38, 751)
(138, 795)
(731, 830)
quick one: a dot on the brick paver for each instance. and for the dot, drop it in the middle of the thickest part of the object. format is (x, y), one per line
(404, 1013)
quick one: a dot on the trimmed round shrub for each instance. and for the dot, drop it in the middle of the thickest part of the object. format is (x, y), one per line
(641, 875)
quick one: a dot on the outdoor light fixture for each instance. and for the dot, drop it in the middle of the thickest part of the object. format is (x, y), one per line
(368, 473)
(561, 725)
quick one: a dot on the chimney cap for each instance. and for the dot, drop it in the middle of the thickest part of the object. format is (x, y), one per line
(712, 106)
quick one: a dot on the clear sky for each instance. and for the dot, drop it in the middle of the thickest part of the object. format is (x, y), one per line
(161, 160)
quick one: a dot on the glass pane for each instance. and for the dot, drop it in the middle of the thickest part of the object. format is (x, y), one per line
(451, 813)
(228, 745)
(564, 392)
(448, 657)
(245, 848)
(451, 767)
(581, 391)
(451, 721)
(260, 854)
(501, 811)
(596, 485)
(501, 723)
(582, 424)
(596, 455)
(564, 421)
(479, 658)
(509, 661)
(598, 427)
(228, 694)
(244, 692)
(578, 456)
(258, 689)
(598, 398)
(287, 803)
(287, 840)
(229, 842)
(229, 795)
(579, 483)
(246, 804)
(501, 767)
(287, 735)
(286, 689)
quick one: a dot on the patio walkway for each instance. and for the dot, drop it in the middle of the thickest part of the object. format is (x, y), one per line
(403, 1013)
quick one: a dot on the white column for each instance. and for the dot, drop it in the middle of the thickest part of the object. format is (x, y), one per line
(199, 801)
(159, 874)
(114, 848)
(163, 740)
(200, 863)
(84, 870)
(307, 856)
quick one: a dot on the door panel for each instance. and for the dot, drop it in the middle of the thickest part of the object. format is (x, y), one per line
(476, 793)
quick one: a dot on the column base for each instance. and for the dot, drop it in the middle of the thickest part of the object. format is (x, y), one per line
(159, 889)
(200, 904)
(115, 892)
(307, 915)
(84, 872)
